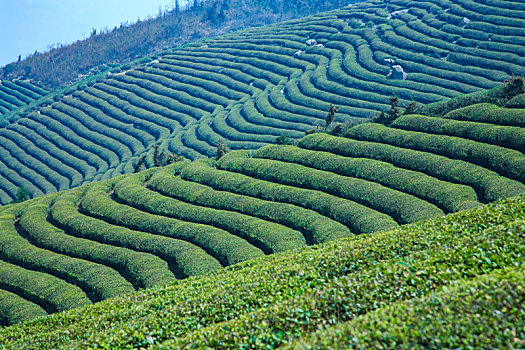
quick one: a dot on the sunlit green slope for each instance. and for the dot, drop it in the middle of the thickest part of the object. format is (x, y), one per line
(460, 276)
(135, 231)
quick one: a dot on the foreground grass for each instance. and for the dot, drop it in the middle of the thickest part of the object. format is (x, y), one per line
(290, 296)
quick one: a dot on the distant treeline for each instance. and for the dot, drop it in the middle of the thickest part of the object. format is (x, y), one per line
(195, 20)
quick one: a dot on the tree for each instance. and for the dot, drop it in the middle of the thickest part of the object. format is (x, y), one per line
(392, 115)
(411, 108)
(159, 158)
(514, 86)
(284, 140)
(22, 195)
(222, 149)
(332, 110)
(139, 164)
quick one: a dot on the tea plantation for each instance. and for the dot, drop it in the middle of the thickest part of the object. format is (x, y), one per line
(460, 276)
(155, 227)
(15, 94)
(250, 87)
(406, 232)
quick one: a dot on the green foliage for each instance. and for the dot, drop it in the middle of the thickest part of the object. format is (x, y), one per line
(315, 228)
(389, 117)
(496, 158)
(359, 218)
(516, 102)
(505, 136)
(268, 236)
(464, 314)
(284, 140)
(248, 88)
(450, 197)
(402, 207)
(222, 149)
(296, 293)
(489, 113)
(488, 184)
(21, 195)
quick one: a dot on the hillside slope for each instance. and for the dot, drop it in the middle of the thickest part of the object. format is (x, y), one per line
(465, 270)
(247, 88)
(155, 227)
(184, 21)
(15, 94)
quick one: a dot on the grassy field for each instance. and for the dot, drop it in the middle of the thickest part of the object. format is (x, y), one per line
(250, 87)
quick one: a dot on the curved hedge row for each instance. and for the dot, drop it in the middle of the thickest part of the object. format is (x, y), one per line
(489, 113)
(297, 293)
(247, 88)
(14, 309)
(316, 228)
(50, 293)
(359, 218)
(256, 231)
(501, 135)
(448, 196)
(97, 281)
(489, 185)
(501, 160)
(225, 247)
(402, 207)
(45, 235)
(182, 258)
(15, 94)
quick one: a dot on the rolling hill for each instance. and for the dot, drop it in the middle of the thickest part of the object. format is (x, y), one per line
(155, 227)
(249, 87)
(399, 233)
(459, 276)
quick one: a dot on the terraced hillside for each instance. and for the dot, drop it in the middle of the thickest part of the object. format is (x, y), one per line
(466, 270)
(250, 87)
(140, 230)
(15, 94)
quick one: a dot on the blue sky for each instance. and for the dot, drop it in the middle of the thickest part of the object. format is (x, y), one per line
(29, 25)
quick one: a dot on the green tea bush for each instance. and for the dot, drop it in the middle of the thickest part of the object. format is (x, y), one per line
(68, 141)
(504, 136)
(489, 113)
(298, 292)
(516, 102)
(15, 309)
(223, 246)
(82, 136)
(270, 235)
(183, 258)
(316, 228)
(504, 161)
(62, 177)
(133, 265)
(50, 293)
(448, 196)
(97, 281)
(131, 137)
(488, 185)
(460, 313)
(402, 207)
(359, 218)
